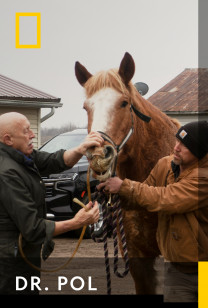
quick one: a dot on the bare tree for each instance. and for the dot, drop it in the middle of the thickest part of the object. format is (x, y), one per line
(48, 133)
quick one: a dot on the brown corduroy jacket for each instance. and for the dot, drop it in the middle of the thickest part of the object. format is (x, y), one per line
(182, 206)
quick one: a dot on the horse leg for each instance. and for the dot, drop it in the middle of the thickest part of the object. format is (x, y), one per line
(144, 275)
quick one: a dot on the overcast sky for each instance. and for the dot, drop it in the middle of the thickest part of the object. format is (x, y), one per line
(161, 35)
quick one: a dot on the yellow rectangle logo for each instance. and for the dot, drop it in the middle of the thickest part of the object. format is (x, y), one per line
(18, 45)
(203, 284)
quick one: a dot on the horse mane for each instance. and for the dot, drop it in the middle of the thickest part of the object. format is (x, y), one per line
(108, 79)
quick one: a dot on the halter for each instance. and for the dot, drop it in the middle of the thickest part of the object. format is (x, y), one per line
(140, 115)
(123, 142)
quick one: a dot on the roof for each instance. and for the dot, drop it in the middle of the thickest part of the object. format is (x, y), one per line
(187, 92)
(14, 92)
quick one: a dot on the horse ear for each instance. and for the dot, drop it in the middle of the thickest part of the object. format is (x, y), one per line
(81, 73)
(127, 68)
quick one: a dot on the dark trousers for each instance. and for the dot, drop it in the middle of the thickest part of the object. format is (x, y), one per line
(180, 286)
(10, 269)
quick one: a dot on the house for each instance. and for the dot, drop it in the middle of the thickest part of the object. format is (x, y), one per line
(184, 98)
(18, 97)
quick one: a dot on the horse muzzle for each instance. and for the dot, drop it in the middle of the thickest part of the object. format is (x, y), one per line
(101, 160)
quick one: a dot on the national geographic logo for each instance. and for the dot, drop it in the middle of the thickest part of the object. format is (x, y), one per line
(28, 17)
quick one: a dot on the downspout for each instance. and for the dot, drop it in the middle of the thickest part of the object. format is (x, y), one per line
(47, 116)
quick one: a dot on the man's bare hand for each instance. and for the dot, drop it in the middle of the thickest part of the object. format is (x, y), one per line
(93, 139)
(88, 215)
(112, 185)
(72, 156)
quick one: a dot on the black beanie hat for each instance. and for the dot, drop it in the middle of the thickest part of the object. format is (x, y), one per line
(194, 136)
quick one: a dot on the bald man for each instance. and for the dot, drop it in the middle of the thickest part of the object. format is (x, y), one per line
(22, 199)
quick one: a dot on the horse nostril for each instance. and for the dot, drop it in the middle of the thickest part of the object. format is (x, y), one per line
(108, 151)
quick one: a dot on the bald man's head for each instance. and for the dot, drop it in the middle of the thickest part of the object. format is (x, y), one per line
(9, 121)
(15, 132)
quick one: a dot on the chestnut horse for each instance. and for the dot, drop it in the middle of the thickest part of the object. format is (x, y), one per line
(117, 110)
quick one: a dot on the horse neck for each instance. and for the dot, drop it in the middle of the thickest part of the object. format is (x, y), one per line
(148, 143)
(132, 158)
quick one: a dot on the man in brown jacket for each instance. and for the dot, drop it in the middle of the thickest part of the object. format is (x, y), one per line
(177, 188)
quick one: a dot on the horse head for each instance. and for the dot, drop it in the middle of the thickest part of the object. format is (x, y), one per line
(108, 103)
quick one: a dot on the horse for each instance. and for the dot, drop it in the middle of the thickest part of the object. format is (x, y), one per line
(132, 146)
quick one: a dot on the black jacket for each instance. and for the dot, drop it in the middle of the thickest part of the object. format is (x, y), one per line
(22, 202)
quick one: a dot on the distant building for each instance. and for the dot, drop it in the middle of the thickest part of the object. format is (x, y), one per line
(16, 96)
(184, 98)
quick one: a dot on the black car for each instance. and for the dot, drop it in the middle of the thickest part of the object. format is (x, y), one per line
(63, 187)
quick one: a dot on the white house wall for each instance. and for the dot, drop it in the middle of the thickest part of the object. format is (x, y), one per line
(183, 119)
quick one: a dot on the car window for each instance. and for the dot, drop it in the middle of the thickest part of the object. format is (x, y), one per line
(65, 142)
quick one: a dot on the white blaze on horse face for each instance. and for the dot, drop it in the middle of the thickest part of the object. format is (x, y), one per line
(103, 103)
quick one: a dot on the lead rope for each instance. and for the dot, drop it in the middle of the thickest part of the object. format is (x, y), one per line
(117, 216)
(111, 216)
(105, 234)
(104, 239)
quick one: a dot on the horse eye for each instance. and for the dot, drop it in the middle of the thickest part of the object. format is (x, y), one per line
(124, 104)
